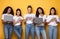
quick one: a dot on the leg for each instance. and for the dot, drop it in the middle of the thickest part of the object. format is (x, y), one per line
(20, 32)
(20, 29)
(6, 32)
(32, 31)
(38, 32)
(55, 33)
(27, 31)
(43, 33)
(17, 31)
(10, 31)
(50, 32)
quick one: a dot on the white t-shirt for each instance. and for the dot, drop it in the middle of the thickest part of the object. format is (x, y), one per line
(59, 20)
(54, 22)
(28, 16)
(44, 18)
(16, 18)
(3, 16)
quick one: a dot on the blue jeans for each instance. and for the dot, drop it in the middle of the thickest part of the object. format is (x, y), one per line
(52, 31)
(42, 30)
(29, 28)
(7, 31)
(18, 31)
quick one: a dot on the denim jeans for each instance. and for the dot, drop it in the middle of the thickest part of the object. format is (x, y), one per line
(42, 30)
(52, 31)
(7, 31)
(29, 29)
(18, 31)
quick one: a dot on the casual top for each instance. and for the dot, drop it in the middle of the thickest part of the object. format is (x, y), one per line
(29, 16)
(3, 16)
(16, 18)
(59, 20)
(44, 18)
(53, 23)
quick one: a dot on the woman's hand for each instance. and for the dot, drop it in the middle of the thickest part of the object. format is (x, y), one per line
(53, 19)
(19, 20)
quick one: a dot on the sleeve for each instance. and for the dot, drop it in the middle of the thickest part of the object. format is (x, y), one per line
(21, 18)
(57, 18)
(2, 17)
(47, 19)
(34, 15)
(13, 17)
(44, 17)
(25, 16)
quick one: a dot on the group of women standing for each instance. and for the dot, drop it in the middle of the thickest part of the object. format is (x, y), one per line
(52, 20)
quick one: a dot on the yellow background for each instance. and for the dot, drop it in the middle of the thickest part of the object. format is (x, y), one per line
(22, 4)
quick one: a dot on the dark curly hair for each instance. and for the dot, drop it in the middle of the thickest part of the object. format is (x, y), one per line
(6, 9)
(37, 12)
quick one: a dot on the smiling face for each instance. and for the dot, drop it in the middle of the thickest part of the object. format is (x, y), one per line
(9, 10)
(29, 10)
(40, 11)
(52, 11)
(18, 12)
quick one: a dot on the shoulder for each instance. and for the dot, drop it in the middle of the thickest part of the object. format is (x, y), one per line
(49, 16)
(14, 17)
(56, 16)
(4, 14)
(33, 14)
(25, 14)
(20, 16)
(44, 15)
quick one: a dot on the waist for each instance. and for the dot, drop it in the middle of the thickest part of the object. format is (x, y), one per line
(53, 24)
(39, 24)
(17, 24)
(29, 22)
(8, 23)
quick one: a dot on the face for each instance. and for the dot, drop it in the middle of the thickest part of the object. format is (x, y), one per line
(9, 10)
(29, 10)
(52, 11)
(40, 11)
(18, 13)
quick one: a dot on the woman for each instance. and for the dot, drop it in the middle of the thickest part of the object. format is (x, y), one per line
(28, 18)
(52, 21)
(17, 21)
(40, 26)
(7, 24)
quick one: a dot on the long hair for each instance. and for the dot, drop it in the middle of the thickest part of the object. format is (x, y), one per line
(6, 9)
(37, 12)
(54, 11)
(19, 14)
(18, 10)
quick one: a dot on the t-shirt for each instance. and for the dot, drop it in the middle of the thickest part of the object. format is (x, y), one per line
(29, 16)
(44, 18)
(16, 18)
(53, 23)
(5, 14)
(59, 20)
